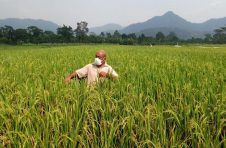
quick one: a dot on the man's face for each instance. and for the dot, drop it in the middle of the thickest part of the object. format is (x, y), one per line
(101, 56)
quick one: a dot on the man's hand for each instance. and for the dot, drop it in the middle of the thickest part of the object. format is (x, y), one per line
(103, 74)
(115, 78)
(71, 76)
(67, 80)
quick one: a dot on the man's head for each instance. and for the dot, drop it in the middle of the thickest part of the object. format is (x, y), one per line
(100, 58)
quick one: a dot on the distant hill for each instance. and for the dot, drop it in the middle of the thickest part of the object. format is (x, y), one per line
(105, 28)
(24, 23)
(170, 22)
(213, 24)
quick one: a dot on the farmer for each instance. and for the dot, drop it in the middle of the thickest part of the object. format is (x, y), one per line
(94, 71)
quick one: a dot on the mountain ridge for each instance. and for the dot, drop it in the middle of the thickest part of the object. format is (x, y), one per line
(24, 23)
(168, 22)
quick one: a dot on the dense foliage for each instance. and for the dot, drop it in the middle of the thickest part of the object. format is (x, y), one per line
(66, 34)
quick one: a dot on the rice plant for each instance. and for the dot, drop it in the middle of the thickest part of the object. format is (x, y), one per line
(164, 97)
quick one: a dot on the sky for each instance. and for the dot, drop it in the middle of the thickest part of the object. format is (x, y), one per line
(101, 12)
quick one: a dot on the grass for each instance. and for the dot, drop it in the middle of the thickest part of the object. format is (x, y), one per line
(165, 97)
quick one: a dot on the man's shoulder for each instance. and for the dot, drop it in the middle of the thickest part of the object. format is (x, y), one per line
(89, 65)
(106, 65)
(86, 66)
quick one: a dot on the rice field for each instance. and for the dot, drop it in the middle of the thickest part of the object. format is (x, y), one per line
(164, 97)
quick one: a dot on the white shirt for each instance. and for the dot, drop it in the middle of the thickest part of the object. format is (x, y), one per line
(91, 71)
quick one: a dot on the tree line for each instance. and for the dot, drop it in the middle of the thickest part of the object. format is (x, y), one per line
(66, 34)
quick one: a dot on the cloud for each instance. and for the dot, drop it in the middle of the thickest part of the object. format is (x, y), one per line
(216, 3)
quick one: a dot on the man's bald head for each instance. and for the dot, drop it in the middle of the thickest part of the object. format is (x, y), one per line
(101, 53)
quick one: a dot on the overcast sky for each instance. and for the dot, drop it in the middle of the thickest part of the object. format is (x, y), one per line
(101, 12)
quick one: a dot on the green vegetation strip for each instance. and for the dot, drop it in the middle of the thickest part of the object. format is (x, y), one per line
(165, 97)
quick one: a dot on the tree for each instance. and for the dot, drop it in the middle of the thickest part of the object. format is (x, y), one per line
(65, 33)
(172, 37)
(132, 36)
(7, 32)
(1, 32)
(102, 34)
(93, 38)
(49, 37)
(160, 37)
(141, 39)
(195, 40)
(116, 37)
(108, 34)
(21, 35)
(81, 31)
(219, 37)
(124, 36)
(116, 34)
(3, 35)
(34, 34)
(208, 38)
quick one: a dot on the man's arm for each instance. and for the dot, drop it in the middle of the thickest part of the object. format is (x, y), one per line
(114, 77)
(71, 76)
(104, 74)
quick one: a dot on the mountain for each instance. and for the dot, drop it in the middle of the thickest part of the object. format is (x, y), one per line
(170, 22)
(105, 28)
(24, 23)
(214, 24)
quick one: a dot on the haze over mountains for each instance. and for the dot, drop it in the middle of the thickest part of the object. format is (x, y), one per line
(24, 23)
(168, 22)
(106, 28)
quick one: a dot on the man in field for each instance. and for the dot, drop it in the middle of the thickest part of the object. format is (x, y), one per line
(94, 71)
